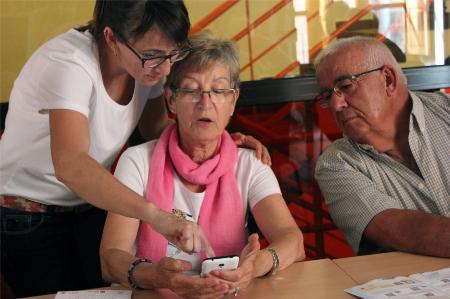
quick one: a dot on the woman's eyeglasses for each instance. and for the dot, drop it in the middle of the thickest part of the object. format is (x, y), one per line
(152, 61)
(217, 95)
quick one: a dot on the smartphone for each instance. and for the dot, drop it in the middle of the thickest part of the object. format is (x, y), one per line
(219, 262)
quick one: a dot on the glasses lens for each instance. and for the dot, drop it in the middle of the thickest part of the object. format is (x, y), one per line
(154, 62)
(182, 54)
(323, 98)
(219, 96)
(191, 95)
(346, 86)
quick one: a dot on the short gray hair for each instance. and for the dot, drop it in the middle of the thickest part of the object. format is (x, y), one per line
(207, 50)
(376, 53)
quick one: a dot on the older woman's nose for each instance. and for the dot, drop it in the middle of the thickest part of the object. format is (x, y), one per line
(205, 100)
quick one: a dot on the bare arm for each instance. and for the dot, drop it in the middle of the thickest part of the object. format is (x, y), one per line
(70, 141)
(154, 119)
(119, 236)
(278, 226)
(411, 231)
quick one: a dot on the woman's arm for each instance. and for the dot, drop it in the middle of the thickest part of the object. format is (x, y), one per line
(279, 228)
(70, 141)
(119, 236)
(276, 223)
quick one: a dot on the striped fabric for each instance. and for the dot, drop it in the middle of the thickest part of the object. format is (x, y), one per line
(359, 182)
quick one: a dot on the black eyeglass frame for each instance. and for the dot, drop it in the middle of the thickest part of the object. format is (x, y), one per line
(325, 95)
(184, 52)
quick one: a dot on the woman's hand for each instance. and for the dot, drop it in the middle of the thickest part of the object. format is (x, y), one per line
(186, 235)
(262, 153)
(169, 274)
(243, 275)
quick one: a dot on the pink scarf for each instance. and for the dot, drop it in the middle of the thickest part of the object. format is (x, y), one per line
(222, 212)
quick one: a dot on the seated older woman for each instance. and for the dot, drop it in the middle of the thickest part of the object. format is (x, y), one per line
(196, 171)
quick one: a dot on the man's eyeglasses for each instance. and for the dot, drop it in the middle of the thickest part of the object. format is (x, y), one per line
(345, 85)
(217, 95)
(151, 61)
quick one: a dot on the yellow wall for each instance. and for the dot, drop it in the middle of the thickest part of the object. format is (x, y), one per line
(25, 25)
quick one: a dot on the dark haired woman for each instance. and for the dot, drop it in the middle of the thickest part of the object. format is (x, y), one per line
(73, 106)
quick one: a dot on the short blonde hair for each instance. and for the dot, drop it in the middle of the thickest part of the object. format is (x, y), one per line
(207, 50)
(376, 53)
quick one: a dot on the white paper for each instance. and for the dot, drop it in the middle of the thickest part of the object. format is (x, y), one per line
(434, 285)
(94, 294)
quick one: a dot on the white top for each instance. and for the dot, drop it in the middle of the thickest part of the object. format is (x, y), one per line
(62, 74)
(255, 182)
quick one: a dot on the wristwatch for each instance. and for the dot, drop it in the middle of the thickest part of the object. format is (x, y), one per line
(275, 263)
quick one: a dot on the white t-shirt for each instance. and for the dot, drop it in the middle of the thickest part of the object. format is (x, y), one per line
(62, 74)
(255, 182)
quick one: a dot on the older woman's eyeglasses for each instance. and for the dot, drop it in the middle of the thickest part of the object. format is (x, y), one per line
(343, 86)
(217, 95)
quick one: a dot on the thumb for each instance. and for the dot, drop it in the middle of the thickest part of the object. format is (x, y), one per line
(174, 265)
(253, 242)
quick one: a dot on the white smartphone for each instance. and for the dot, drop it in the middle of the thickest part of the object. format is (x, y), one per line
(218, 263)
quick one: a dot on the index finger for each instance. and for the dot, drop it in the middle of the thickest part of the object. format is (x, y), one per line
(206, 245)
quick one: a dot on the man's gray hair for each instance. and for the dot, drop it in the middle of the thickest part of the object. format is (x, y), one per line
(376, 53)
(207, 50)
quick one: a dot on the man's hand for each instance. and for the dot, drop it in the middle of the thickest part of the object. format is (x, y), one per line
(262, 153)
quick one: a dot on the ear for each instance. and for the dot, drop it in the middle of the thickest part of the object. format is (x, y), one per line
(170, 99)
(391, 79)
(110, 39)
(234, 102)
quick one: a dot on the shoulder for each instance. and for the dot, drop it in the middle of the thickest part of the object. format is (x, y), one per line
(247, 159)
(436, 105)
(245, 154)
(72, 48)
(338, 152)
(141, 152)
(434, 100)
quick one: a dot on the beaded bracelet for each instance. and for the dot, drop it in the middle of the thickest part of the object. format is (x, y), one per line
(133, 265)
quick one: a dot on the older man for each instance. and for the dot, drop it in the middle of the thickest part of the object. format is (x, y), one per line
(387, 182)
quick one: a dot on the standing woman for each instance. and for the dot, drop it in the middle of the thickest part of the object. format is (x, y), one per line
(72, 108)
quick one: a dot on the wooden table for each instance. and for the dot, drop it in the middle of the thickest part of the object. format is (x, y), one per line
(316, 279)
(364, 268)
(322, 279)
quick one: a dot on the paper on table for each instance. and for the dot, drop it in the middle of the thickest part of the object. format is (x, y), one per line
(94, 294)
(434, 285)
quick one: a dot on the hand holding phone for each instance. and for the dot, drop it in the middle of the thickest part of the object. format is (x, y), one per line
(219, 263)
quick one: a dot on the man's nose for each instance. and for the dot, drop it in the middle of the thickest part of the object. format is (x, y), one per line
(338, 102)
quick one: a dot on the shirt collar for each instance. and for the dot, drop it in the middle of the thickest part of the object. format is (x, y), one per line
(417, 112)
